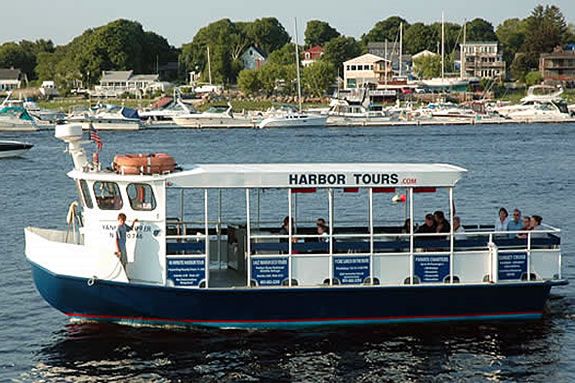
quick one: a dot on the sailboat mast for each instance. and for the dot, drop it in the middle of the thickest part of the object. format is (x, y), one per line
(297, 64)
(442, 46)
(462, 47)
(400, 47)
(385, 63)
(209, 67)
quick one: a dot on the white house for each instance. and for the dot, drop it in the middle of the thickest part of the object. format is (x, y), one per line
(253, 58)
(423, 53)
(365, 70)
(10, 79)
(116, 83)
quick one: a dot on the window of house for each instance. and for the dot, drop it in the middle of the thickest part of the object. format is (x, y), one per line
(85, 194)
(108, 195)
(141, 197)
(353, 67)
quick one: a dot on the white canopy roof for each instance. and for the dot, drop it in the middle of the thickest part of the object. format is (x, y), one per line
(316, 175)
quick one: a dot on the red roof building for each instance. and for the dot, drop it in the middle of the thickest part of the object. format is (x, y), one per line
(311, 55)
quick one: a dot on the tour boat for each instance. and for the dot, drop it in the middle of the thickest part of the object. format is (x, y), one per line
(13, 148)
(204, 252)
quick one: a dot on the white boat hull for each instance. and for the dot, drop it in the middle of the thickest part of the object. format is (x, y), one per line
(212, 122)
(9, 125)
(109, 125)
(291, 122)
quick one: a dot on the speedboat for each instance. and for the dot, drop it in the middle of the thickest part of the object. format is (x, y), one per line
(218, 116)
(16, 119)
(106, 117)
(13, 148)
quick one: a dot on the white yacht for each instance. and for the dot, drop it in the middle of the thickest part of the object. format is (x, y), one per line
(16, 119)
(219, 116)
(542, 103)
(293, 119)
(108, 117)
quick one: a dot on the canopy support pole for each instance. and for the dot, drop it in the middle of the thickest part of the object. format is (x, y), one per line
(290, 234)
(249, 239)
(411, 244)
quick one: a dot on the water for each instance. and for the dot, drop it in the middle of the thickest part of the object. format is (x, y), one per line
(526, 166)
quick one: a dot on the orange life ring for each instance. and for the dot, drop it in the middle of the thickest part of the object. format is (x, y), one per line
(142, 163)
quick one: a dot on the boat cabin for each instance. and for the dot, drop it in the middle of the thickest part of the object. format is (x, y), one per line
(228, 226)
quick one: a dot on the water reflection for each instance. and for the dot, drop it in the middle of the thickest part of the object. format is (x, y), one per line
(496, 351)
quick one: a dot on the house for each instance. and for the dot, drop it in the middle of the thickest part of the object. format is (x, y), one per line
(390, 51)
(423, 53)
(311, 55)
(10, 79)
(558, 66)
(116, 83)
(253, 58)
(482, 60)
(366, 70)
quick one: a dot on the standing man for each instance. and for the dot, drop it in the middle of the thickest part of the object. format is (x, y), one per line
(121, 233)
(515, 223)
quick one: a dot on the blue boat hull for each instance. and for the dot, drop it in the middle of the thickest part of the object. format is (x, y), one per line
(285, 307)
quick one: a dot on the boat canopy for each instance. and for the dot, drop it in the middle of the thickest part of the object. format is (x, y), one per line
(17, 112)
(316, 175)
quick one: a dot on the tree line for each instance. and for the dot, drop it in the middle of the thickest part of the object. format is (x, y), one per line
(124, 45)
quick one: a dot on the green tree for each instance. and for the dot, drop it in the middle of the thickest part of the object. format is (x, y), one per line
(340, 49)
(453, 36)
(249, 82)
(419, 37)
(520, 66)
(318, 78)
(277, 78)
(511, 35)
(387, 29)
(545, 29)
(480, 30)
(283, 56)
(426, 67)
(533, 78)
(318, 33)
(267, 34)
(23, 55)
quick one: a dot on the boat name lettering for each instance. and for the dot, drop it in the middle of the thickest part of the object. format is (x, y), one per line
(341, 179)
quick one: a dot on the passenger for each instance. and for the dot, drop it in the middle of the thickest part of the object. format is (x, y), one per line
(406, 229)
(515, 223)
(442, 225)
(536, 226)
(526, 227)
(428, 226)
(458, 230)
(121, 233)
(502, 221)
(284, 230)
(322, 231)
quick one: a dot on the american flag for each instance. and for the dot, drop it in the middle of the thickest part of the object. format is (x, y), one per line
(94, 136)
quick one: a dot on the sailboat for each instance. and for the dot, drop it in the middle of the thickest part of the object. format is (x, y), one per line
(445, 82)
(294, 118)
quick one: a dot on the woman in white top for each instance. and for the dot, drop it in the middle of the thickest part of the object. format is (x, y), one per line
(502, 221)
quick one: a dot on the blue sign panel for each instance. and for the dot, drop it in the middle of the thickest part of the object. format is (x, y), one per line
(270, 271)
(351, 270)
(512, 266)
(187, 272)
(431, 268)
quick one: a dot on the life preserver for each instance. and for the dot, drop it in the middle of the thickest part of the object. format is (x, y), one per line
(142, 163)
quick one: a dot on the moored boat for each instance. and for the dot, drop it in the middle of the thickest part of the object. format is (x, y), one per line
(13, 148)
(16, 119)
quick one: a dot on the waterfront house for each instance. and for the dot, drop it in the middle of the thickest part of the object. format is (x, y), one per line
(423, 53)
(253, 58)
(366, 70)
(390, 51)
(311, 55)
(10, 79)
(117, 83)
(482, 60)
(558, 67)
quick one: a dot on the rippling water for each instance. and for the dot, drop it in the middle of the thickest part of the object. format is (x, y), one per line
(528, 166)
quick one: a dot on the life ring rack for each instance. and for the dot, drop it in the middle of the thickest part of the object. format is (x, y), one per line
(144, 164)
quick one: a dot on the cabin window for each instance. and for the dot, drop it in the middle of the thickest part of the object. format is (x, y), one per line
(141, 197)
(108, 195)
(85, 194)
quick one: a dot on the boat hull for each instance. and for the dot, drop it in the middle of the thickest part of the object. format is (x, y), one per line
(287, 307)
(282, 122)
(13, 149)
(212, 122)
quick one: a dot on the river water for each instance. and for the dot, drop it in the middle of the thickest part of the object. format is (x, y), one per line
(527, 166)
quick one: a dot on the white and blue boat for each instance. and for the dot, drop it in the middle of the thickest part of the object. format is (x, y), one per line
(189, 265)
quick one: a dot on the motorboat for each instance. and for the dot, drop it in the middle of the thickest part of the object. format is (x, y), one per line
(542, 103)
(44, 118)
(106, 117)
(246, 273)
(16, 119)
(13, 148)
(294, 120)
(217, 116)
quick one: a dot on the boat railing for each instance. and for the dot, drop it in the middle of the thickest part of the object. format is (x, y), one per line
(476, 256)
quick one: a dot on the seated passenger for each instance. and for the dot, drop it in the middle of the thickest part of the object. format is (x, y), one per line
(502, 222)
(284, 230)
(515, 223)
(458, 230)
(442, 225)
(536, 226)
(428, 226)
(406, 228)
(526, 227)
(322, 231)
